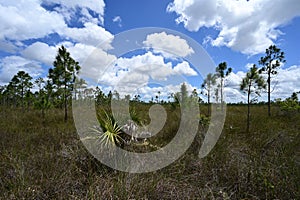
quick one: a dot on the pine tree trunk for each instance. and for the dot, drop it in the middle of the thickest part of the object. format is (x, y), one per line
(269, 93)
(22, 98)
(222, 94)
(248, 113)
(65, 104)
(208, 102)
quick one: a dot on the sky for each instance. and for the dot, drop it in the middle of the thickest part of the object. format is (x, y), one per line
(117, 50)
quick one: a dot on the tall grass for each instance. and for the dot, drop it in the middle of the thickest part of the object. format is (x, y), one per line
(43, 158)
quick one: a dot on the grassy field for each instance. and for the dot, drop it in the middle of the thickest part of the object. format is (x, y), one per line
(44, 159)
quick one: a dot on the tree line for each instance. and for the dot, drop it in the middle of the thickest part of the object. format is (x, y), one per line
(56, 89)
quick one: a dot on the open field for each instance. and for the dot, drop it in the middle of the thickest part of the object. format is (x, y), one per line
(44, 158)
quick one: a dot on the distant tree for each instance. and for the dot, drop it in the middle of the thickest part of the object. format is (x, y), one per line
(184, 93)
(290, 104)
(109, 96)
(116, 95)
(270, 62)
(80, 86)
(49, 90)
(137, 98)
(41, 97)
(89, 93)
(208, 85)
(252, 83)
(100, 96)
(222, 72)
(127, 97)
(194, 93)
(158, 96)
(151, 101)
(217, 89)
(182, 96)
(39, 83)
(176, 97)
(20, 85)
(294, 96)
(63, 75)
(2, 94)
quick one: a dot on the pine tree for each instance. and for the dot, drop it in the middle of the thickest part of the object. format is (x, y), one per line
(63, 76)
(222, 72)
(272, 60)
(19, 87)
(208, 85)
(252, 83)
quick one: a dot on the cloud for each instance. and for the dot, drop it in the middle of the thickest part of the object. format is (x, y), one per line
(90, 34)
(184, 68)
(149, 64)
(93, 61)
(95, 6)
(245, 26)
(117, 19)
(22, 20)
(287, 81)
(232, 90)
(127, 75)
(25, 21)
(87, 17)
(168, 44)
(95, 64)
(9, 66)
(8, 47)
(40, 52)
(154, 66)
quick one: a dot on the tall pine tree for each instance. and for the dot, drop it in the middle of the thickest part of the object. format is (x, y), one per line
(272, 60)
(63, 76)
(252, 83)
(222, 72)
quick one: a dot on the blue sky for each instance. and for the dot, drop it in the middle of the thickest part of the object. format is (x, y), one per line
(234, 31)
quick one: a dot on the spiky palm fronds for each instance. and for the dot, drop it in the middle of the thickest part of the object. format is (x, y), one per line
(110, 133)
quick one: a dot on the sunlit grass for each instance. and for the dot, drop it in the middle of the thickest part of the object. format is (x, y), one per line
(45, 159)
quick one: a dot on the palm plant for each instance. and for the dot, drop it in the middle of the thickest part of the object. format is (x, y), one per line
(110, 133)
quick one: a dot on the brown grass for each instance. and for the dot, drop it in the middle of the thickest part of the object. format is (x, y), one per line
(44, 159)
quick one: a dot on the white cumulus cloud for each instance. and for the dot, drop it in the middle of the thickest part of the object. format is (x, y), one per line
(22, 20)
(184, 68)
(127, 75)
(168, 44)
(40, 52)
(90, 34)
(245, 26)
(9, 66)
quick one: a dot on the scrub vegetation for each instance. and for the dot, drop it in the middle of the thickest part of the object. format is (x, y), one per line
(42, 157)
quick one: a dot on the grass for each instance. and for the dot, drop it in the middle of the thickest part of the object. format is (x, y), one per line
(44, 159)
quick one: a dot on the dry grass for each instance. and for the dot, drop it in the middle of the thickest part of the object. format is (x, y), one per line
(44, 159)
